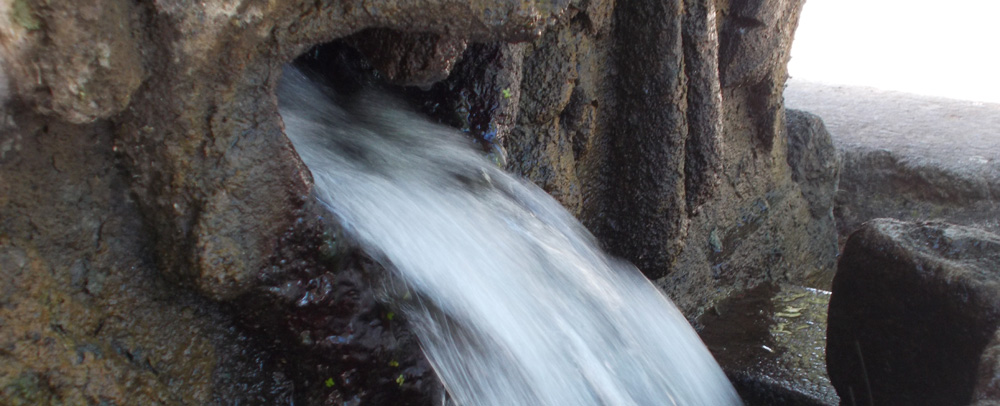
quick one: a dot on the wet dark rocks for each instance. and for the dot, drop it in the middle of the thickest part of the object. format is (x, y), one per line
(407, 59)
(770, 342)
(319, 300)
(914, 305)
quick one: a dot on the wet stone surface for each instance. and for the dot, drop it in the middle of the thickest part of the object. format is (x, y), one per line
(478, 98)
(319, 302)
(770, 341)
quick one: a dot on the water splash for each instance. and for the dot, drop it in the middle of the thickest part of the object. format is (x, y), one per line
(513, 302)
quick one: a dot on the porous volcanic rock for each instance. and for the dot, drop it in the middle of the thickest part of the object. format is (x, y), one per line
(148, 197)
(151, 205)
(913, 308)
(85, 315)
(678, 168)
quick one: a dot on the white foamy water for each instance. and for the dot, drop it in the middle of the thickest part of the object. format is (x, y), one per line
(510, 297)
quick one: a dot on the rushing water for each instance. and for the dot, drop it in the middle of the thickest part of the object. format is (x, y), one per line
(512, 300)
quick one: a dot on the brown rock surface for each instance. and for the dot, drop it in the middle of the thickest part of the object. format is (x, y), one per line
(85, 317)
(152, 208)
(141, 140)
(683, 172)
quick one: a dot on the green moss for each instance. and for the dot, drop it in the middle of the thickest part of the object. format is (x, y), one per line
(26, 389)
(23, 14)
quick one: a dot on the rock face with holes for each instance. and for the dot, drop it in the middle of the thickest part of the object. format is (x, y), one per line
(85, 315)
(152, 208)
(914, 305)
(151, 204)
(672, 148)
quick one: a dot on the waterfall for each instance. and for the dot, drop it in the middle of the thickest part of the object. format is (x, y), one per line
(511, 298)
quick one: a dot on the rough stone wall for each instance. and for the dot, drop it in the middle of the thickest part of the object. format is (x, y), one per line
(189, 88)
(151, 207)
(144, 171)
(85, 316)
(672, 147)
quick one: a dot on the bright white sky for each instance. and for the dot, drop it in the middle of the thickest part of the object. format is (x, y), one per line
(948, 48)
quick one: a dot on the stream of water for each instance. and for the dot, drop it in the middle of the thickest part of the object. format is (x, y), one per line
(511, 298)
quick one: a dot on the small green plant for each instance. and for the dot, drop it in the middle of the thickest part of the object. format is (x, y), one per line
(400, 379)
(329, 382)
(394, 363)
(714, 241)
(506, 93)
(390, 316)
